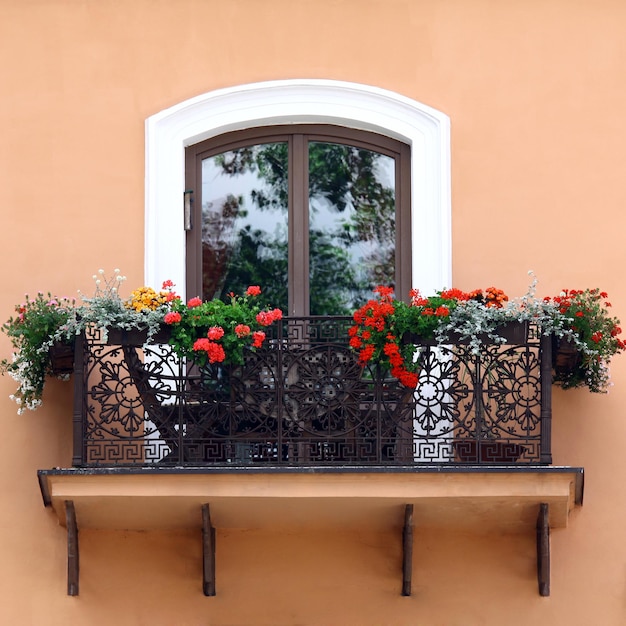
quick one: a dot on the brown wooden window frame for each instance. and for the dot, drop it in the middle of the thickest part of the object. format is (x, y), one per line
(298, 136)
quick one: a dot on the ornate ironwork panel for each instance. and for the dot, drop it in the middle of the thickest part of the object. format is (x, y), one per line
(305, 400)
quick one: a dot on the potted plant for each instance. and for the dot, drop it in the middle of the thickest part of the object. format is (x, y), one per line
(586, 339)
(218, 331)
(388, 334)
(586, 336)
(206, 332)
(387, 331)
(33, 334)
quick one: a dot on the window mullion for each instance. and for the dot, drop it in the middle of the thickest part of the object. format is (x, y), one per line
(298, 226)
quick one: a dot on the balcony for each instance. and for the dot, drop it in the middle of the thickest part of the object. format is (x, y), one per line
(304, 400)
(301, 435)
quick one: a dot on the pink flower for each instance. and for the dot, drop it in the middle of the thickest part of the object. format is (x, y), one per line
(242, 330)
(167, 284)
(172, 318)
(215, 333)
(193, 302)
(253, 290)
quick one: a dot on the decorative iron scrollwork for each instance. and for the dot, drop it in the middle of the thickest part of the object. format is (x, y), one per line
(304, 399)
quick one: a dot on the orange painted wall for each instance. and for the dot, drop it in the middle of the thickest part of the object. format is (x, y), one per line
(536, 96)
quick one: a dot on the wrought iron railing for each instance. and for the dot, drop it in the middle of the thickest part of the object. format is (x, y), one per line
(305, 400)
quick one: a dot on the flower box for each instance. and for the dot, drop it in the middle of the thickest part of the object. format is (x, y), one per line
(566, 356)
(137, 336)
(61, 358)
(513, 333)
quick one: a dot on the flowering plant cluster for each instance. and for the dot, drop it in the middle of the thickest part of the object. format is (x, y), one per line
(384, 327)
(377, 336)
(147, 299)
(214, 331)
(587, 325)
(32, 333)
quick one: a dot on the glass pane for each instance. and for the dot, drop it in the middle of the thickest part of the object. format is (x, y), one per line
(352, 226)
(244, 222)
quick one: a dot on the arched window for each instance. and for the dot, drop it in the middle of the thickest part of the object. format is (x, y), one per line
(317, 215)
(425, 131)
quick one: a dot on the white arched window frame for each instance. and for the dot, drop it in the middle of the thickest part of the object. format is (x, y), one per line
(425, 130)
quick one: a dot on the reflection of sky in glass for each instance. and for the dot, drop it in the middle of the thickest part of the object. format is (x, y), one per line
(217, 185)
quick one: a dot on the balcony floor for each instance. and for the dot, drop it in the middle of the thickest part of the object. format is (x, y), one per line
(475, 498)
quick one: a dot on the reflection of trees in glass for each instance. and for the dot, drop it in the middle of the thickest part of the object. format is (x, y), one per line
(351, 233)
(238, 252)
(218, 243)
(333, 279)
(257, 260)
(350, 182)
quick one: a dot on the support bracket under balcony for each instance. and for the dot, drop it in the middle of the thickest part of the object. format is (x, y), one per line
(208, 552)
(407, 550)
(543, 550)
(470, 498)
(72, 549)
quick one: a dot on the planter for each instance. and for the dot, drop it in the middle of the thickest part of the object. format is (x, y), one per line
(61, 358)
(513, 333)
(470, 450)
(566, 357)
(137, 337)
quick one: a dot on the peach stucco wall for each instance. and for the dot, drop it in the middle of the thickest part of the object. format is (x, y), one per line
(536, 95)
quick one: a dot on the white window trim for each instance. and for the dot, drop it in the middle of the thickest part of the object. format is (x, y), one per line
(299, 101)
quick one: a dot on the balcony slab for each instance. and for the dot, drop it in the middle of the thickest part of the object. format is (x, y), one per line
(472, 498)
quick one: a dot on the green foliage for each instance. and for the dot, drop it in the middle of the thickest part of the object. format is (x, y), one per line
(586, 323)
(32, 331)
(260, 261)
(425, 319)
(215, 331)
(42, 321)
(579, 317)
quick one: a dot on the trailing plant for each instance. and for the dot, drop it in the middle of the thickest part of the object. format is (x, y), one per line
(41, 322)
(387, 331)
(207, 332)
(384, 326)
(32, 331)
(586, 323)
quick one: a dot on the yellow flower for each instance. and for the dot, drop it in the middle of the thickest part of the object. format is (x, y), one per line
(146, 298)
